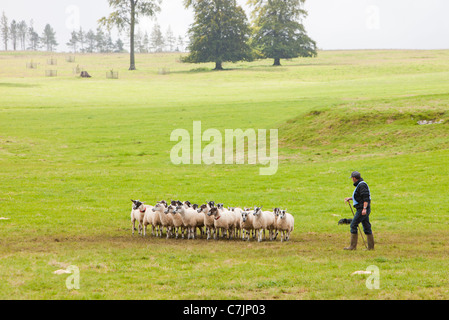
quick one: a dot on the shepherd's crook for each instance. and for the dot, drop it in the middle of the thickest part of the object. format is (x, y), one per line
(361, 233)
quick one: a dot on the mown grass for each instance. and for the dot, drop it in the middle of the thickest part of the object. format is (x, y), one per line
(74, 151)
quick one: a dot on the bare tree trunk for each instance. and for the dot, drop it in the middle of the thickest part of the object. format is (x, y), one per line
(132, 27)
(277, 62)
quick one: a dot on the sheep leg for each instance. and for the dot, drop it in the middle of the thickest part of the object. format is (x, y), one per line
(133, 226)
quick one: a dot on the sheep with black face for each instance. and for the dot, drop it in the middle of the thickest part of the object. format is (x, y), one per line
(137, 214)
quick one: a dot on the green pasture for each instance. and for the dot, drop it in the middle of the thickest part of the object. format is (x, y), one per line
(73, 152)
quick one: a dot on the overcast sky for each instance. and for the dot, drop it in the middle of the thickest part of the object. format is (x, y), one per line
(334, 24)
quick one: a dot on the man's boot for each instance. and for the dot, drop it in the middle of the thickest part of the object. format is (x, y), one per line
(354, 238)
(370, 239)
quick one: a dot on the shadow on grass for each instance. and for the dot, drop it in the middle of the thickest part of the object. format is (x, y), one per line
(17, 85)
(258, 68)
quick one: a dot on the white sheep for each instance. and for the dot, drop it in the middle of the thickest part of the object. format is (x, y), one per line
(148, 219)
(223, 220)
(247, 224)
(285, 224)
(166, 220)
(263, 220)
(189, 218)
(208, 220)
(237, 221)
(137, 214)
(200, 224)
(177, 220)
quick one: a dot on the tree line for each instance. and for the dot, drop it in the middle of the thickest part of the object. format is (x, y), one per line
(221, 32)
(22, 35)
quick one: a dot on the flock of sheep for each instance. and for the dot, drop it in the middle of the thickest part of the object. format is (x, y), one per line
(209, 219)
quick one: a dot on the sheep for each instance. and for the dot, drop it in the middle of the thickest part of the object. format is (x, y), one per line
(208, 220)
(276, 212)
(286, 224)
(189, 218)
(157, 223)
(222, 220)
(198, 216)
(237, 221)
(177, 220)
(200, 224)
(234, 221)
(263, 220)
(148, 219)
(166, 220)
(137, 214)
(246, 223)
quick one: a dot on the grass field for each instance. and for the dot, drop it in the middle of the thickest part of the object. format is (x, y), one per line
(73, 152)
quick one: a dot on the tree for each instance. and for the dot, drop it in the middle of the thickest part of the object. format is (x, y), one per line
(157, 39)
(13, 33)
(146, 42)
(219, 33)
(100, 40)
(119, 46)
(138, 41)
(109, 44)
(91, 41)
(73, 42)
(125, 16)
(181, 44)
(22, 33)
(33, 38)
(278, 31)
(48, 38)
(170, 40)
(4, 26)
(81, 39)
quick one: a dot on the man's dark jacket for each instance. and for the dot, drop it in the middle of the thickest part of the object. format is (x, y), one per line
(362, 194)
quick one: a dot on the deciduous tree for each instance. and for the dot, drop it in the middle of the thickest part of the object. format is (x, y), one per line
(125, 16)
(219, 33)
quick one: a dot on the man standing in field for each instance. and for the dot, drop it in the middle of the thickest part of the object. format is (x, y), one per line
(362, 202)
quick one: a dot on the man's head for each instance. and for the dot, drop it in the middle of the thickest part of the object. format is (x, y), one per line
(356, 176)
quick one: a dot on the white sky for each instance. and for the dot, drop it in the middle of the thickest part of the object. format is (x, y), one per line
(334, 24)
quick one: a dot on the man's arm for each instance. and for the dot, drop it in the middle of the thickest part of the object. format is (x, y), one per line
(365, 194)
(365, 206)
